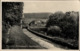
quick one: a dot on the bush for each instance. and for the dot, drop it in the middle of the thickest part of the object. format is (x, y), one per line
(12, 12)
(4, 35)
(54, 30)
(68, 23)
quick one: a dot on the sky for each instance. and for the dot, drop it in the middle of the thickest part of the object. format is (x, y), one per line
(50, 6)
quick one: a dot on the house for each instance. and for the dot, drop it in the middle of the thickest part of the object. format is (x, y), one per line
(37, 23)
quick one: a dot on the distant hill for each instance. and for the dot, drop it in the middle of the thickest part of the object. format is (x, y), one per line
(37, 15)
(28, 17)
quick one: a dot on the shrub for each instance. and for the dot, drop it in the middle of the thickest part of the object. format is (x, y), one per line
(4, 35)
(68, 22)
(54, 30)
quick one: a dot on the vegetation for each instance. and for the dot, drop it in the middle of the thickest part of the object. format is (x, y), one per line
(11, 20)
(52, 30)
(11, 15)
(12, 12)
(29, 17)
(64, 26)
(68, 23)
(39, 30)
(37, 15)
(19, 40)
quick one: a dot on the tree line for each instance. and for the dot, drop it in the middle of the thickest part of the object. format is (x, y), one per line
(64, 24)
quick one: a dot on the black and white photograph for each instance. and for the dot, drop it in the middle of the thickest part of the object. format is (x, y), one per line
(40, 25)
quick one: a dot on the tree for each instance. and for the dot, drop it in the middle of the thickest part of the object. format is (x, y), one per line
(55, 18)
(12, 12)
(11, 15)
(68, 22)
(54, 31)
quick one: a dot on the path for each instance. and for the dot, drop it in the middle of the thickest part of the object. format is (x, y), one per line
(39, 40)
(18, 40)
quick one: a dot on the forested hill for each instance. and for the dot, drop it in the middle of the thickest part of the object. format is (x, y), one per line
(37, 15)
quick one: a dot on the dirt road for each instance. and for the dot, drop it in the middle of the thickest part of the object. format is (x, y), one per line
(18, 40)
(23, 39)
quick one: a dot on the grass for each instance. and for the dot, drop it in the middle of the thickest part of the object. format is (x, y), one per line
(18, 40)
(4, 34)
(40, 30)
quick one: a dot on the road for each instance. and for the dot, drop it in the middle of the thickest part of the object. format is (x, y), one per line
(41, 41)
(18, 40)
(23, 39)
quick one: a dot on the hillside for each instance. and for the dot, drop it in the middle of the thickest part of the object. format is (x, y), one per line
(28, 17)
(37, 15)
